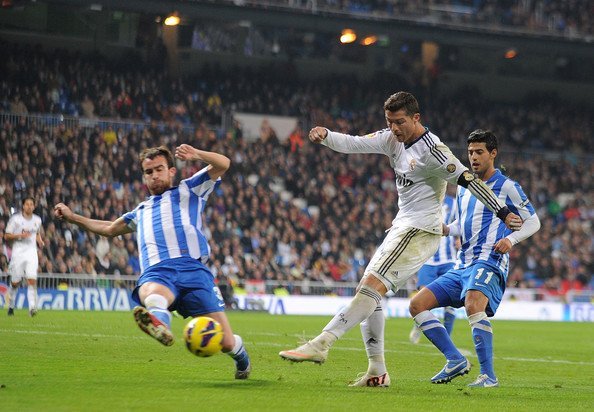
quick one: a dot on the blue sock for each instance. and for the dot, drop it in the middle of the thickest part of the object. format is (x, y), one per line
(437, 334)
(240, 355)
(449, 316)
(482, 334)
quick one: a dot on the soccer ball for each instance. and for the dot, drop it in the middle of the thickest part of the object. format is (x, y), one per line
(203, 336)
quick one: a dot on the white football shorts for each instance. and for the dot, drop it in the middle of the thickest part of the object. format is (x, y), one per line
(23, 266)
(401, 255)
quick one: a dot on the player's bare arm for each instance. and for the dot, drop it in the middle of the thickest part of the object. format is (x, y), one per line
(218, 164)
(16, 236)
(100, 227)
(318, 134)
(39, 238)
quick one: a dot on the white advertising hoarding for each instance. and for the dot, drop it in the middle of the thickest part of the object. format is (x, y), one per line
(398, 308)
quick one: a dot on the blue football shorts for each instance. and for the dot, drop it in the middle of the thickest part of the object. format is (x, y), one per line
(190, 281)
(450, 289)
(429, 273)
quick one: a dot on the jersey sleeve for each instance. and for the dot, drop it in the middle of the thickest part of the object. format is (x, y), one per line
(39, 224)
(517, 201)
(11, 227)
(131, 219)
(377, 142)
(453, 212)
(201, 184)
(442, 163)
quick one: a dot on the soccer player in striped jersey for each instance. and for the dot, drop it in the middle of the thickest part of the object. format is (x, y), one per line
(422, 165)
(440, 263)
(477, 281)
(173, 248)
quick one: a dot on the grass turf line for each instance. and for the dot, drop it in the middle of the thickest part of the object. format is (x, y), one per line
(74, 361)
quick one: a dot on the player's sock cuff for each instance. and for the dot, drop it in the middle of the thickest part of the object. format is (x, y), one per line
(476, 318)
(238, 346)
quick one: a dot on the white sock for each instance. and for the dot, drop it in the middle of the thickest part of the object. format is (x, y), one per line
(239, 354)
(155, 301)
(372, 330)
(360, 308)
(423, 317)
(238, 346)
(12, 292)
(476, 318)
(32, 296)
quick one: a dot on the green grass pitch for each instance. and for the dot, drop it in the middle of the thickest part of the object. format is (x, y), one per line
(101, 361)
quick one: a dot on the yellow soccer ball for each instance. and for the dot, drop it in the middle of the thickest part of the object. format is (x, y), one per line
(203, 336)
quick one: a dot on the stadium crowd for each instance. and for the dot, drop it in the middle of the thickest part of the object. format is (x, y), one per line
(570, 18)
(287, 211)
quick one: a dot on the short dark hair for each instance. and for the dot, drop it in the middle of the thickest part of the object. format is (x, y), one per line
(27, 198)
(483, 136)
(152, 152)
(402, 100)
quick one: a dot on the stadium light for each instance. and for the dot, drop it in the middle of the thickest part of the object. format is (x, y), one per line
(369, 40)
(348, 36)
(510, 53)
(172, 20)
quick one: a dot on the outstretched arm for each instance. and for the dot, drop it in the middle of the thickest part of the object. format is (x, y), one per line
(378, 142)
(318, 134)
(217, 163)
(101, 227)
(486, 196)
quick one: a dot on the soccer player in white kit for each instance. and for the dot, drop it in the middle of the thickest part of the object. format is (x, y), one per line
(440, 263)
(423, 165)
(24, 231)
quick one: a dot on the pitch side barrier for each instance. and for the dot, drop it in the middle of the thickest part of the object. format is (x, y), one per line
(113, 293)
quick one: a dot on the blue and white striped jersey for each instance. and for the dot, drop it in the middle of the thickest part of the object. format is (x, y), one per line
(170, 225)
(447, 249)
(481, 229)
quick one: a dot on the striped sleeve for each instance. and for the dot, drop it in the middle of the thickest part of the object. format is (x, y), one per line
(453, 211)
(131, 219)
(485, 195)
(517, 201)
(201, 184)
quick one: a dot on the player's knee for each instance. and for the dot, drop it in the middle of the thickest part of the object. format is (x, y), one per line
(416, 306)
(422, 301)
(475, 302)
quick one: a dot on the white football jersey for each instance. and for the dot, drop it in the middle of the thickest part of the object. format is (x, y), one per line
(18, 224)
(422, 168)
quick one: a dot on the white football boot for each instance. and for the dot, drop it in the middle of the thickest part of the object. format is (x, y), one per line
(365, 379)
(308, 352)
